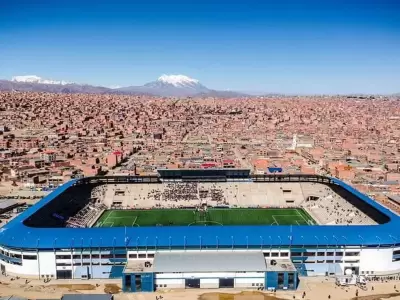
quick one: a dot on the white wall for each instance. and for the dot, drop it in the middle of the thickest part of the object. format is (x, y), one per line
(250, 274)
(171, 283)
(169, 275)
(12, 269)
(47, 262)
(248, 282)
(30, 267)
(209, 275)
(209, 283)
(378, 260)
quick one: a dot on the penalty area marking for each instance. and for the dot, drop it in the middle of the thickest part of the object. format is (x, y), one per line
(134, 222)
(288, 216)
(105, 220)
(105, 224)
(301, 215)
(204, 222)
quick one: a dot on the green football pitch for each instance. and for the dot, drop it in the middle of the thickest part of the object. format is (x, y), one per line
(211, 217)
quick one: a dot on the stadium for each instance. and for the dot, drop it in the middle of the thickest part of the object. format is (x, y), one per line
(214, 228)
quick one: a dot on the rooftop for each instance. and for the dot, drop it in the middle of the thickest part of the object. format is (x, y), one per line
(209, 261)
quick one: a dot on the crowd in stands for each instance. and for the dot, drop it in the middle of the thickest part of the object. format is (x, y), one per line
(191, 193)
(214, 194)
(332, 209)
(87, 214)
(99, 192)
(186, 191)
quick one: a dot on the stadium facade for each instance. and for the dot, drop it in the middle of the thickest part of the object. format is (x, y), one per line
(36, 245)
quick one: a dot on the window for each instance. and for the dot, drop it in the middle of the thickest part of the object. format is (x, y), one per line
(95, 256)
(142, 255)
(85, 256)
(352, 261)
(267, 254)
(396, 252)
(338, 261)
(150, 255)
(120, 255)
(281, 277)
(329, 261)
(274, 254)
(320, 253)
(309, 254)
(330, 254)
(30, 257)
(297, 253)
(396, 259)
(66, 264)
(339, 253)
(352, 254)
(63, 256)
(15, 255)
(76, 256)
(253, 284)
(86, 264)
(320, 261)
(132, 255)
(284, 254)
(107, 256)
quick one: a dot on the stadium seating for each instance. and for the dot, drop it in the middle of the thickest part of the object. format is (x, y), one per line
(80, 206)
(330, 208)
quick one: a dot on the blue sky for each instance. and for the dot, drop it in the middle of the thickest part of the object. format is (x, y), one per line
(287, 46)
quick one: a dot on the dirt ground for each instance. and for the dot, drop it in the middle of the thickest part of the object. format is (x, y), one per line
(314, 289)
(246, 295)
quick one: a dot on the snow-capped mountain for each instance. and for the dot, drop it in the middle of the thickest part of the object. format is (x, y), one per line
(37, 79)
(164, 86)
(178, 80)
(171, 86)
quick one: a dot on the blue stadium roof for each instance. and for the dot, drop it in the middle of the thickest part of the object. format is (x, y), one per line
(17, 235)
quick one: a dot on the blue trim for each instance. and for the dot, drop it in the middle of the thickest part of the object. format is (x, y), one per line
(261, 277)
(239, 236)
(12, 259)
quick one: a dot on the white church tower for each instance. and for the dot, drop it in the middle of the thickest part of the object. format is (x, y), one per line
(294, 142)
